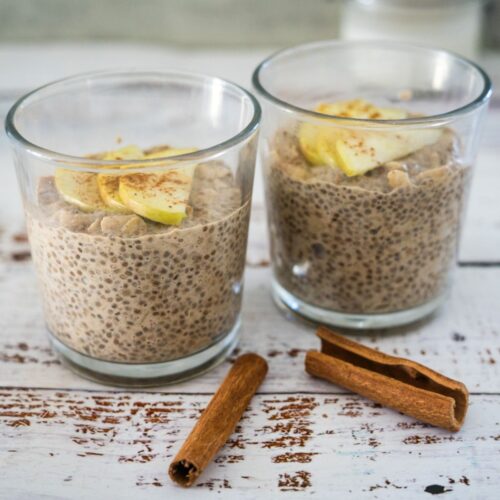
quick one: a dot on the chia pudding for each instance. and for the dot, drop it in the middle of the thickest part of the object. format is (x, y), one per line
(120, 287)
(374, 243)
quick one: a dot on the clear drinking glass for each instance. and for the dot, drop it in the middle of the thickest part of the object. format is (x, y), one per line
(367, 150)
(137, 190)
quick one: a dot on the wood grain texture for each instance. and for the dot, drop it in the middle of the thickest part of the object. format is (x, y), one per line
(76, 444)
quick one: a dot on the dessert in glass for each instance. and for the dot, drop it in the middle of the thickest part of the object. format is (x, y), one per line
(137, 190)
(367, 150)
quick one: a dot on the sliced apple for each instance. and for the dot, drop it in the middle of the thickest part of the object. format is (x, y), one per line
(325, 147)
(108, 189)
(162, 151)
(88, 191)
(358, 152)
(308, 138)
(356, 108)
(79, 189)
(359, 108)
(168, 151)
(161, 197)
(131, 152)
(328, 136)
(317, 142)
(109, 184)
(101, 192)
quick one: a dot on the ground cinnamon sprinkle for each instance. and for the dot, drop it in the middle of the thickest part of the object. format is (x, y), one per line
(298, 481)
(298, 457)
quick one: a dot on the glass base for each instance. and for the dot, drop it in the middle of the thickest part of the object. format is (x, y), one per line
(147, 374)
(285, 300)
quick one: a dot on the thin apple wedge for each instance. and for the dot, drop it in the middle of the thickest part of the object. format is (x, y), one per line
(358, 152)
(308, 138)
(109, 184)
(325, 146)
(161, 197)
(166, 151)
(318, 142)
(109, 190)
(130, 152)
(79, 189)
(359, 108)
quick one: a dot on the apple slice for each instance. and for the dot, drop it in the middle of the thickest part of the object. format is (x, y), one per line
(108, 189)
(79, 189)
(325, 146)
(359, 108)
(109, 184)
(163, 151)
(161, 197)
(358, 152)
(308, 137)
(130, 152)
(317, 142)
(89, 192)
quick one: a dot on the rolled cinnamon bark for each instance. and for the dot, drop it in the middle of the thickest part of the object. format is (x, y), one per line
(219, 419)
(401, 384)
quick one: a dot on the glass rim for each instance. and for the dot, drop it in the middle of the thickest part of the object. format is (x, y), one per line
(478, 101)
(86, 164)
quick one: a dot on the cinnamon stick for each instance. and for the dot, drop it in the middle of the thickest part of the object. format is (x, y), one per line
(219, 419)
(401, 384)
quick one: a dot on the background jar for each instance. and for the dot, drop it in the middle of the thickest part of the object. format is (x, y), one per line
(343, 252)
(448, 24)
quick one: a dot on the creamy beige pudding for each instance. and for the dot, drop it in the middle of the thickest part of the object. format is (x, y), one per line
(364, 241)
(122, 287)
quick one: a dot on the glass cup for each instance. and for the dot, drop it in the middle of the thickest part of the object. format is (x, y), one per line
(137, 190)
(367, 150)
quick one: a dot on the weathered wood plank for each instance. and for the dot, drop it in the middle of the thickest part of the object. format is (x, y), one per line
(74, 444)
(462, 341)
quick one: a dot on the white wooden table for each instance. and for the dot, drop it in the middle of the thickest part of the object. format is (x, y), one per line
(65, 437)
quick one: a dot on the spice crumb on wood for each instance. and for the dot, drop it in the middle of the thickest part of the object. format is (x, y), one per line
(20, 256)
(20, 238)
(298, 457)
(78, 425)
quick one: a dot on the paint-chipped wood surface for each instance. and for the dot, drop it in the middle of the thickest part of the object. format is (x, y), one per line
(65, 437)
(89, 442)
